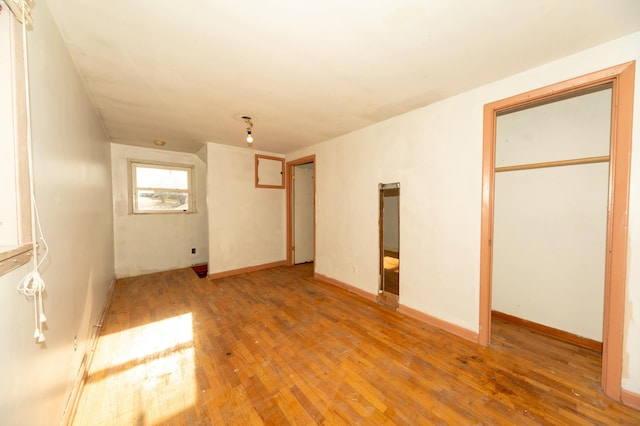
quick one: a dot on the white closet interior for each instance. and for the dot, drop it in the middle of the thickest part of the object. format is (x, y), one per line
(550, 220)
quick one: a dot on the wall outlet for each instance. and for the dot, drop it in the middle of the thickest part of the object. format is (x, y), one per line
(193, 251)
(75, 343)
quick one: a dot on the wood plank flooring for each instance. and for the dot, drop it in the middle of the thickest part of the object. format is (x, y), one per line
(278, 347)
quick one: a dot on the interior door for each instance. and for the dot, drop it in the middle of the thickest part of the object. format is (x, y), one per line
(303, 213)
(389, 223)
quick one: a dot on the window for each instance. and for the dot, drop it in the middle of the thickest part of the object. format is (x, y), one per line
(161, 188)
(15, 207)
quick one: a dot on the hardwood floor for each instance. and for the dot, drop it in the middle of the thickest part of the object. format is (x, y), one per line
(278, 347)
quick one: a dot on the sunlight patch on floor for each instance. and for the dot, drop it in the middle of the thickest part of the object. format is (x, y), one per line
(153, 365)
(146, 340)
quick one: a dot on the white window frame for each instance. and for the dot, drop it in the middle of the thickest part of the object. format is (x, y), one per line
(14, 251)
(133, 188)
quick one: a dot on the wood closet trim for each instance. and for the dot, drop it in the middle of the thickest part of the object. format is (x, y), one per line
(621, 77)
(560, 163)
(257, 170)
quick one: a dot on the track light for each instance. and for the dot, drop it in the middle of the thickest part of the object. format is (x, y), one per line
(247, 121)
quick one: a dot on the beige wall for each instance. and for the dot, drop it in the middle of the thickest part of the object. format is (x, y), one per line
(436, 154)
(73, 189)
(246, 224)
(156, 242)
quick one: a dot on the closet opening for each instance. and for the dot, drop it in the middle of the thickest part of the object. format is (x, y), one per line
(537, 182)
(550, 215)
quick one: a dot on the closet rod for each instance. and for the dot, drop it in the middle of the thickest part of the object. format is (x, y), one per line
(588, 160)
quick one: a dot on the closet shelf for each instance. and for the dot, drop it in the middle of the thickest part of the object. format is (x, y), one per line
(572, 162)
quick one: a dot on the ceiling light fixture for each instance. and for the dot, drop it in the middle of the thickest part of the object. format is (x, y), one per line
(247, 121)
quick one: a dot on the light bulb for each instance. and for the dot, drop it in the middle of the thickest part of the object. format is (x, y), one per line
(249, 137)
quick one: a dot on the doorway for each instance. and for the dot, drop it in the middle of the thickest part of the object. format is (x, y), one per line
(302, 213)
(550, 214)
(301, 190)
(389, 224)
(621, 78)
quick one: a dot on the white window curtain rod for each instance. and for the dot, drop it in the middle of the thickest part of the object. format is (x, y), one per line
(21, 9)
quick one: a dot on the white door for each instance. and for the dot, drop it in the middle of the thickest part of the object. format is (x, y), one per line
(303, 213)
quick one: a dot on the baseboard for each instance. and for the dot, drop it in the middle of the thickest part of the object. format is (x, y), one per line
(438, 323)
(550, 331)
(345, 286)
(74, 397)
(420, 316)
(246, 269)
(630, 399)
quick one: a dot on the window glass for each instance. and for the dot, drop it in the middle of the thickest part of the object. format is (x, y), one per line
(160, 188)
(162, 178)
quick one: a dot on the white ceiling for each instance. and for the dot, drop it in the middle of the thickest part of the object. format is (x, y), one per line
(306, 71)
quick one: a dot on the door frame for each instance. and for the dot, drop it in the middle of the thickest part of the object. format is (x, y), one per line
(622, 79)
(289, 174)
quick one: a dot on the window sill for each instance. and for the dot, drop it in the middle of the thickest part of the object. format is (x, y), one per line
(163, 212)
(12, 257)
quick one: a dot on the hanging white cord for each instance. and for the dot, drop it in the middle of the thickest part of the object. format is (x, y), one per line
(32, 285)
